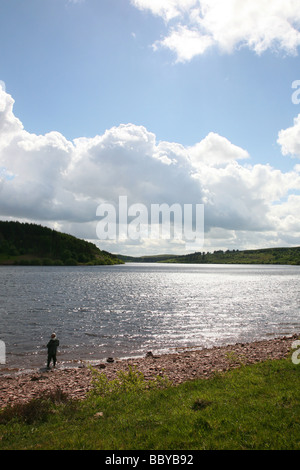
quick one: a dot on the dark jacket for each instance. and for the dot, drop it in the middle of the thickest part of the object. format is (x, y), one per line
(52, 346)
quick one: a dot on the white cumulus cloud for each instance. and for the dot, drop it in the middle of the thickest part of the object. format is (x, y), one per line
(197, 25)
(289, 139)
(51, 180)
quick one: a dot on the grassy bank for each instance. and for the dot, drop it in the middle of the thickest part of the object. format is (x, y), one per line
(253, 407)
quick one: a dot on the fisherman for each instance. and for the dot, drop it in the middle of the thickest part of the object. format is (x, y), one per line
(52, 349)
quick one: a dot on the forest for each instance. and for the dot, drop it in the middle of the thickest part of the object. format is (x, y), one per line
(32, 244)
(289, 256)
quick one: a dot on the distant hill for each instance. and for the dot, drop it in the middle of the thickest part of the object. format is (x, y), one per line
(289, 256)
(31, 244)
(145, 259)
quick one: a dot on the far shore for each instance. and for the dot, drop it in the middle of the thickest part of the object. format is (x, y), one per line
(177, 367)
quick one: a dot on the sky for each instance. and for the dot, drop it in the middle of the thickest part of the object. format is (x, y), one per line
(166, 102)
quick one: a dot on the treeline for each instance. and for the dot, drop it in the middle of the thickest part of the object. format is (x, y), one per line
(145, 259)
(290, 256)
(262, 256)
(32, 244)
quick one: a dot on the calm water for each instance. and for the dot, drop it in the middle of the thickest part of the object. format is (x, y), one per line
(127, 310)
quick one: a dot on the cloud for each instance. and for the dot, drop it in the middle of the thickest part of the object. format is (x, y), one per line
(197, 25)
(50, 180)
(185, 43)
(168, 9)
(10, 126)
(289, 139)
(215, 150)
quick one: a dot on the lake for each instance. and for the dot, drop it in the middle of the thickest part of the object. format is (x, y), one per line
(128, 310)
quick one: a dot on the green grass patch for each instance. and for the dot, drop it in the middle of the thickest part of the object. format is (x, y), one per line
(253, 407)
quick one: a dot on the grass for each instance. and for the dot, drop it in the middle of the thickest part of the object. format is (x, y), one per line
(253, 407)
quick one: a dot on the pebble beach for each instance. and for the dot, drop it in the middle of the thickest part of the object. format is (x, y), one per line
(177, 367)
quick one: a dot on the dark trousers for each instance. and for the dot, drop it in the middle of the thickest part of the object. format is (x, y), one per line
(51, 357)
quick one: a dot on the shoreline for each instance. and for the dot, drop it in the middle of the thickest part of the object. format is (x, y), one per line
(177, 367)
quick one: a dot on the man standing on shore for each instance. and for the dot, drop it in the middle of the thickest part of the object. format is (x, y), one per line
(52, 349)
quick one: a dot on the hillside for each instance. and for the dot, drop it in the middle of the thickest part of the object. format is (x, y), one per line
(289, 256)
(31, 244)
(146, 259)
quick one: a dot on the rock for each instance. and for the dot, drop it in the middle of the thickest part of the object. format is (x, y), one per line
(101, 366)
(35, 378)
(177, 367)
(110, 360)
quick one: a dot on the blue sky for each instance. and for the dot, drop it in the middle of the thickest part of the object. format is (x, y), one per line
(82, 68)
(185, 72)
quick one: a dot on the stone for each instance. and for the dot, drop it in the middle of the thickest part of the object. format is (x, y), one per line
(176, 367)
